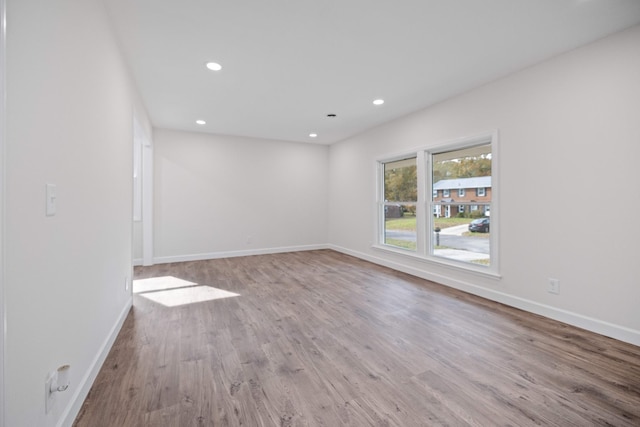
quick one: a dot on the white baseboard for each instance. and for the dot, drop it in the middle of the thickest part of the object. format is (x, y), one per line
(231, 254)
(137, 262)
(73, 408)
(611, 330)
(594, 325)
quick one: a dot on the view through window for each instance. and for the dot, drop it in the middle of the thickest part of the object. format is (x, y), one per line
(400, 200)
(437, 203)
(461, 204)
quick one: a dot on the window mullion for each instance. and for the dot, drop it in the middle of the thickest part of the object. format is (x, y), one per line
(421, 218)
(380, 203)
(428, 203)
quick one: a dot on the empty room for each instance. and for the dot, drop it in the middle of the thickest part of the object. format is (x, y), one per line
(330, 213)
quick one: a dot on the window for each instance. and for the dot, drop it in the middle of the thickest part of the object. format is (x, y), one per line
(400, 189)
(410, 220)
(463, 167)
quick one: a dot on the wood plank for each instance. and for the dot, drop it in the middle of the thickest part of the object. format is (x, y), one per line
(323, 339)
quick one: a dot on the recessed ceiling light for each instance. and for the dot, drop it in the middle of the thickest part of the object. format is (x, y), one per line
(313, 135)
(214, 66)
(378, 102)
(201, 122)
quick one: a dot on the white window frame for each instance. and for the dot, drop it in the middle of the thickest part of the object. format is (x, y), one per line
(427, 204)
(381, 203)
(481, 192)
(446, 193)
(461, 192)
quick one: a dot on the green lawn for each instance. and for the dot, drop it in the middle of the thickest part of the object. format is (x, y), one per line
(404, 223)
(476, 234)
(401, 244)
(450, 222)
(408, 223)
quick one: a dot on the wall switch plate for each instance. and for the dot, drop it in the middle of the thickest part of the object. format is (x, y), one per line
(51, 195)
(554, 286)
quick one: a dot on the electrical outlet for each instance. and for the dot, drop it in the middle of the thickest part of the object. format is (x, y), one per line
(126, 283)
(554, 286)
(249, 240)
(56, 382)
(49, 397)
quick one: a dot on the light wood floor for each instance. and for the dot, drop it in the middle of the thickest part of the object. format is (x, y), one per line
(323, 339)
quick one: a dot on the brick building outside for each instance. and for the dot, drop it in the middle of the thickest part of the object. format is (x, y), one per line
(462, 197)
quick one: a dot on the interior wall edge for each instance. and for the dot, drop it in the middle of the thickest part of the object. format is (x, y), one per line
(75, 404)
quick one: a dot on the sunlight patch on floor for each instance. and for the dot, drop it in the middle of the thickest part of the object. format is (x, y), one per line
(171, 291)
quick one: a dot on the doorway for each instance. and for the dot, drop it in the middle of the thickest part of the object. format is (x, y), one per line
(142, 196)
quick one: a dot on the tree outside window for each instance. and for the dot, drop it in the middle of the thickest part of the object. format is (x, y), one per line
(400, 199)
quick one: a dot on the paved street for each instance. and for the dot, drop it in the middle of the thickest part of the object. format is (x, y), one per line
(458, 247)
(473, 244)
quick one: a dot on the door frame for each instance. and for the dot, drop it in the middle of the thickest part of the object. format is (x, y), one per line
(146, 195)
(147, 202)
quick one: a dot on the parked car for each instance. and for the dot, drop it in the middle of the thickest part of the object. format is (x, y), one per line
(481, 225)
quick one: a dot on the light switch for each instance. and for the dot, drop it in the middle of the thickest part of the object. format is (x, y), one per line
(51, 199)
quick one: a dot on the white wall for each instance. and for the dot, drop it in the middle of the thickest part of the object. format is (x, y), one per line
(137, 242)
(222, 196)
(2, 204)
(569, 138)
(569, 148)
(70, 104)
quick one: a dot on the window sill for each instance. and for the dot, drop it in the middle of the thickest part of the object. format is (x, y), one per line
(442, 262)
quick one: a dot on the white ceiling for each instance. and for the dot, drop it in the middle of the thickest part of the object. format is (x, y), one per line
(289, 63)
